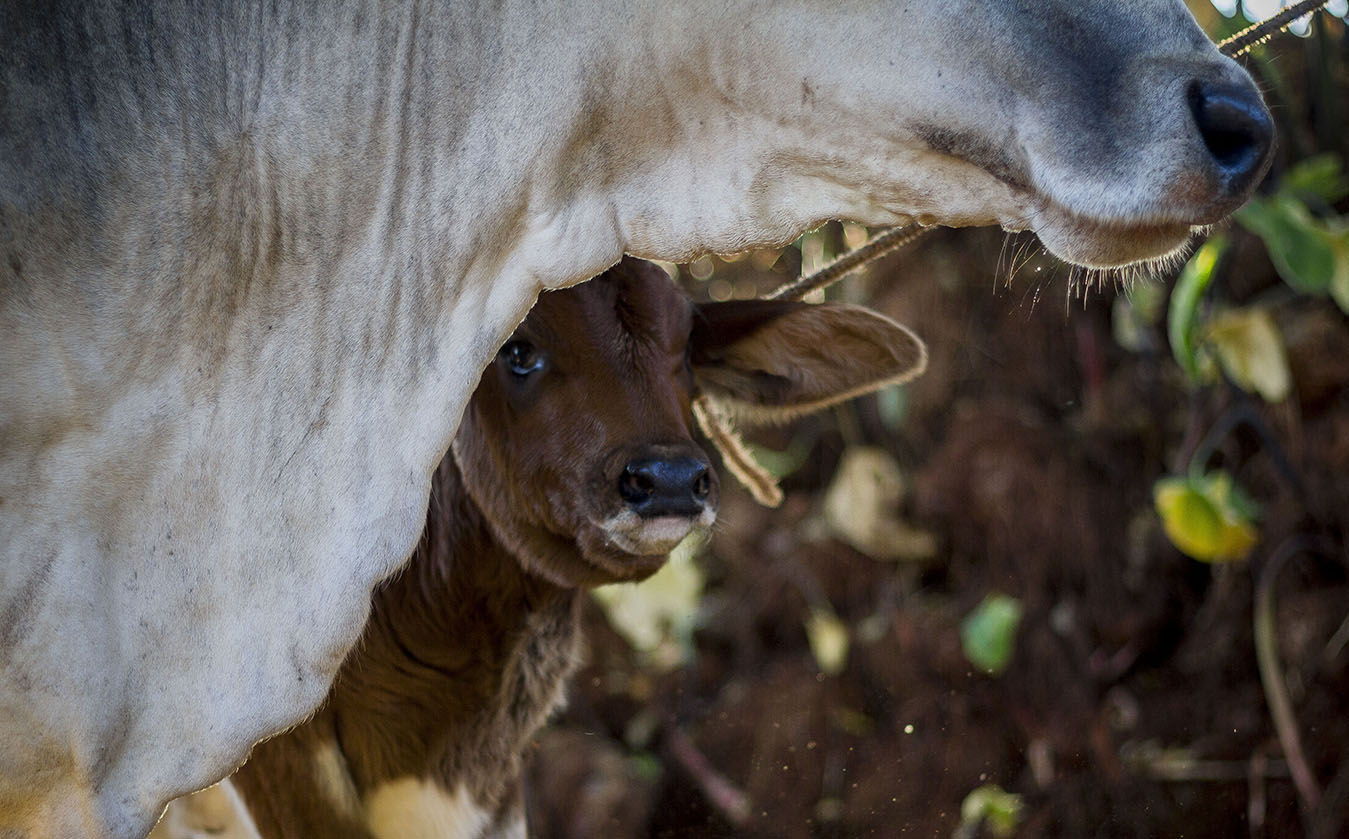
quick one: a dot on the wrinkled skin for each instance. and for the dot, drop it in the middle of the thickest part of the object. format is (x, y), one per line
(253, 258)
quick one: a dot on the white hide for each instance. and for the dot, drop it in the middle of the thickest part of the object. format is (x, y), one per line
(414, 808)
(252, 262)
(334, 779)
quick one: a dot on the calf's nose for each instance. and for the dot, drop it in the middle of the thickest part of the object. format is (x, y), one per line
(654, 487)
(1237, 131)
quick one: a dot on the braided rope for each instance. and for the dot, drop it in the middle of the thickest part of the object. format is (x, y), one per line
(880, 245)
(1242, 42)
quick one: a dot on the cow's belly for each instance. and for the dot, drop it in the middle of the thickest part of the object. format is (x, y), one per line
(112, 707)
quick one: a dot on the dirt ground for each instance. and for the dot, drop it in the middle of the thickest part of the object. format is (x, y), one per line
(1133, 705)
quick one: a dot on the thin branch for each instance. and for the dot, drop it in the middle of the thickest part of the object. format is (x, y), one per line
(1170, 769)
(725, 797)
(1257, 797)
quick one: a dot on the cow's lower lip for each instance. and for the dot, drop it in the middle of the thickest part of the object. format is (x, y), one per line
(1099, 243)
(652, 538)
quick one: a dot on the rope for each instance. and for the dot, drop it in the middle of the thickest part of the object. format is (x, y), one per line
(892, 239)
(1242, 42)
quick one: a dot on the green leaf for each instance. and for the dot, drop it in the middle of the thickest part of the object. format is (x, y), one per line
(646, 766)
(892, 404)
(1135, 313)
(1339, 283)
(1207, 517)
(1251, 352)
(780, 464)
(990, 804)
(988, 634)
(1194, 280)
(1302, 248)
(1321, 176)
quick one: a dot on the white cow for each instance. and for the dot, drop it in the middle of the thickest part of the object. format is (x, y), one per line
(254, 254)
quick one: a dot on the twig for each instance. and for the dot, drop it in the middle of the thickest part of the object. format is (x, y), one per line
(1337, 643)
(1190, 771)
(1242, 413)
(725, 797)
(1271, 674)
(1257, 799)
(1331, 819)
(880, 245)
(1242, 42)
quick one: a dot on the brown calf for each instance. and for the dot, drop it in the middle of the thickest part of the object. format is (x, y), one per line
(574, 467)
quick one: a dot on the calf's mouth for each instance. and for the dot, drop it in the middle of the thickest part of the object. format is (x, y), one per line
(641, 536)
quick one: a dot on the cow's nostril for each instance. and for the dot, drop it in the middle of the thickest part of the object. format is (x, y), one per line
(1236, 129)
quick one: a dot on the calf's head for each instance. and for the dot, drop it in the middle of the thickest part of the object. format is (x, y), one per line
(577, 447)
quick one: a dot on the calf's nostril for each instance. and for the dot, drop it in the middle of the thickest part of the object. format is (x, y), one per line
(702, 485)
(1235, 127)
(657, 487)
(635, 485)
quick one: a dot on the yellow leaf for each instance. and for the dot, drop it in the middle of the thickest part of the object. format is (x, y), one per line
(861, 508)
(656, 616)
(1250, 350)
(1200, 521)
(828, 638)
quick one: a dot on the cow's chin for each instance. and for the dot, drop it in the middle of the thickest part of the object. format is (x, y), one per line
(1097, 243)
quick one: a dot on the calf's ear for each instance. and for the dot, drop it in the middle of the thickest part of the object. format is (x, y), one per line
(766, 361)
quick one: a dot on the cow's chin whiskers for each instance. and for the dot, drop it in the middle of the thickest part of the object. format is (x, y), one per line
(1099, 243)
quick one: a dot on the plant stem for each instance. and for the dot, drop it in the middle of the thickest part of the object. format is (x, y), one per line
(1271, 675)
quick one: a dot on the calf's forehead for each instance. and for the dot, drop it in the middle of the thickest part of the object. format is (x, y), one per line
(632, 307)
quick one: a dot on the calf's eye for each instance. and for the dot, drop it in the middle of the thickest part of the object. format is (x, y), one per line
(521, 358)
